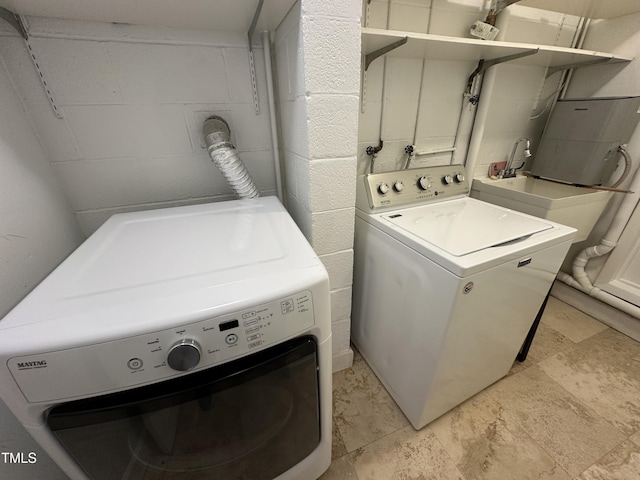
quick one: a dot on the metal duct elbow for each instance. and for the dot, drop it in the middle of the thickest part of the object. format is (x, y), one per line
(224, 155)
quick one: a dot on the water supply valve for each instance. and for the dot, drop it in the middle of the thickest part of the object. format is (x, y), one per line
(373, 151)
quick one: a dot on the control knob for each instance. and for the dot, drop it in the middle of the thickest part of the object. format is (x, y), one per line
(383, 188)
(423, 183)
(459, 177)
(447, 179)
(398, 186)
(184, 355)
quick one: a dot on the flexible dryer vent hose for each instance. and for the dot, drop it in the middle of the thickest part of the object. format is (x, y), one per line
(224, 155)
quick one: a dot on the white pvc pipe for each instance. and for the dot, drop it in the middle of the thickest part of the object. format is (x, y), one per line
(266, 43)
(618, 303)
(479, 124)
(436, 152)
(610, 240)
(579, 278)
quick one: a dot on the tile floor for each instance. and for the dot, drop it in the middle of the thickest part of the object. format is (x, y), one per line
(570, 411)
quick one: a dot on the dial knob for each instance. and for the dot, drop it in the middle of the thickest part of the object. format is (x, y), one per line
(184, 355)
(459, 177)
(398, 186)
(383, 188)
(423, 183)
(447, 179)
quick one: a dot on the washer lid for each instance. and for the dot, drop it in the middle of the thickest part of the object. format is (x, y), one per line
(461, 227)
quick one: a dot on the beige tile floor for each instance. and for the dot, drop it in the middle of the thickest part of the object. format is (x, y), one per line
(570, 411)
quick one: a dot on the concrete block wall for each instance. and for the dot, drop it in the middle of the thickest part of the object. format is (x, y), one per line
(134, 99)
(318, 62)
(408, 101)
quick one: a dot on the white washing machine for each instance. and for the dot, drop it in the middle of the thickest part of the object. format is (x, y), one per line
(177, 344)
(446, 287)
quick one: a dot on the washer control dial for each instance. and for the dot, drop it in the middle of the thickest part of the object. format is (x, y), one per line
(447, 179)
(459, 177)
(423, 183)
(398, 186)
(184, 355)
(383, 188)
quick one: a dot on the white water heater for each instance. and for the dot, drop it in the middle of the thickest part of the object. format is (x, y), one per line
(580, 143)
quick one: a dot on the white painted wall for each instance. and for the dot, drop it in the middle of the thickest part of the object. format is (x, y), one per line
(134, 99)
(37, 231)
(318, 61)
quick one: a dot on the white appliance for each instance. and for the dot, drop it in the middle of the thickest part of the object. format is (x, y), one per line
(181, 343)
(581, 140)
(446, 287)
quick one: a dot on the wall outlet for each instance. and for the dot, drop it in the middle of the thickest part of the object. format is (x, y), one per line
(495, 167)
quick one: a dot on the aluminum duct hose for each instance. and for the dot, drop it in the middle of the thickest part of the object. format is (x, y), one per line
(224, 155)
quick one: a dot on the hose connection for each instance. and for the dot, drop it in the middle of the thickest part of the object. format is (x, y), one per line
(223, 154)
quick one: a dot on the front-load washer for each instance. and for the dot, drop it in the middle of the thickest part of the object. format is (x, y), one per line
(446, 287)
(182, 343)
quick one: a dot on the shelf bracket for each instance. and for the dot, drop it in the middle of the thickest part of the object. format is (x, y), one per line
(252, 67)
(559, 68)
(484, 65)
(370, 57)
(13, 20)
(507, 58)
(496, 8)
(16, 22)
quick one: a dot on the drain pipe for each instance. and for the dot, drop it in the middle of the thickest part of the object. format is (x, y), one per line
(479, 121)
(579, 278)
(224, 155)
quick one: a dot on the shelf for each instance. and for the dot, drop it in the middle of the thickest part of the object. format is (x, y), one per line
(438, 47)
(224, 16)
(240, 16)
(587, 8)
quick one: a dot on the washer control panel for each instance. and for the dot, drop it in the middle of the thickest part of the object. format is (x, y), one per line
(416, 185)
(104, 367)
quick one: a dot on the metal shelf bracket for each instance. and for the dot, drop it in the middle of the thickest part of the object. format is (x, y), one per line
(483, 65)
(13, 20)
(370, 57)
(507, 58)
(252, 67)
(568, 66)
(16, 22)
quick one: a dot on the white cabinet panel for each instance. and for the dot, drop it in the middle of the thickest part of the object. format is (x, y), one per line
(621, 274)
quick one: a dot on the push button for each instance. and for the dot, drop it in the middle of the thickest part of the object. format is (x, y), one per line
(231, 339)
(134, 364)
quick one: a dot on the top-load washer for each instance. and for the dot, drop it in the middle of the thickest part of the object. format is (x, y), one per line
(446, 287)
(180, 343)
